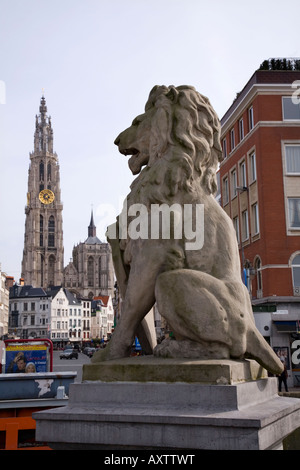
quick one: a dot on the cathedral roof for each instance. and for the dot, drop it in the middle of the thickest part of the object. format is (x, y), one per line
(92, 241)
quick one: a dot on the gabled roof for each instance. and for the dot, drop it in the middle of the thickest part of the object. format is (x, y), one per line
(70, 297)
(103, 298)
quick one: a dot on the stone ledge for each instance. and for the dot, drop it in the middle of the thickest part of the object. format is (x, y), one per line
(156, 396)
(155, 369)
(132, 415)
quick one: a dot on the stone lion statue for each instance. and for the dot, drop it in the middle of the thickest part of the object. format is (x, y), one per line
(174, 148)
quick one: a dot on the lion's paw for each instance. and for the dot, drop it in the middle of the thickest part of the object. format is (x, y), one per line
(171, 348)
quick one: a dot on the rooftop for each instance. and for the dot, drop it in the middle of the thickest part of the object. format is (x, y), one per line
(262, 77)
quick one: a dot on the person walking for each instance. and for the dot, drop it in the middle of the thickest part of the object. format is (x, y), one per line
(282, 378)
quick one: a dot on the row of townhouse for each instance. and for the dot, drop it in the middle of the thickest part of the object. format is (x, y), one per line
(56, 314)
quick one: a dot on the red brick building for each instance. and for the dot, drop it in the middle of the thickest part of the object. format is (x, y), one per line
(260, 191)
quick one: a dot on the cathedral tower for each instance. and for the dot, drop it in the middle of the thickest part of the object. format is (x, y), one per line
(43, 254)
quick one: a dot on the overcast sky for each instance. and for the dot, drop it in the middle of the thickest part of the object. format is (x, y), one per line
(97, 61)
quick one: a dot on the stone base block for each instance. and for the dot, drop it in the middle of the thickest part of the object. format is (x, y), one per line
(155, 369)
(160, 416)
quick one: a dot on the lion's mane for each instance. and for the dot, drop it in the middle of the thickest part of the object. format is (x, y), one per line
(185, 141)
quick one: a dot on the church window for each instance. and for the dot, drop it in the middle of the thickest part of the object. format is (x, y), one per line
(49, 172)
(51, 232)
(51, 265)
(90, 271)
(42, 270)
(42, 171)
(41, 230)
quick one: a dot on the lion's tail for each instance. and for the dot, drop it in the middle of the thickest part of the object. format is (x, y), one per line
(259, 349)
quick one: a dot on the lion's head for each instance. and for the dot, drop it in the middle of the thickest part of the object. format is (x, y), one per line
(180, 126)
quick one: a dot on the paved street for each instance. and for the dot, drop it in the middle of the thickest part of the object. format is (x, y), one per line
(73, 365)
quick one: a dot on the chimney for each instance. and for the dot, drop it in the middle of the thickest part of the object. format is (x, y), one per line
(9, 281)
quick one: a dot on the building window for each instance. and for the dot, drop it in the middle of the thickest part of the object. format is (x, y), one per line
(224, 145)
(232, 140)
(49, 172)
(90, 271)
(252, 161)
(243, 180)
(296, 273)
(290, 110)
(41, 230)
(51, 268)
(250, 118)
(241, 129)
(51, 232)
(225, 191)
(233, 184)
(255, 218)
(236, 228)
(245, 226)
(42, 171)
(294, 212)
(292, 158)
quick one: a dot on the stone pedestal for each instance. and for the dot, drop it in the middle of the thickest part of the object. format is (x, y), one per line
(187, 404)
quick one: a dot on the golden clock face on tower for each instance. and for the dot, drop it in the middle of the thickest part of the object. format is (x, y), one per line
(46, 196)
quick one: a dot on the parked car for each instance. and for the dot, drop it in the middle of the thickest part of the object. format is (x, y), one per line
(69, 354)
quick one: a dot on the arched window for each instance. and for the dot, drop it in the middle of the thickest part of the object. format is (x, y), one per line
(49, 172)
(42, 171)
(51, 232)
(296, 274)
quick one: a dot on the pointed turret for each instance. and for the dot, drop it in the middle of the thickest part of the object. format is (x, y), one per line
(92, 238)
(43, 136)
(43, 108)
(92, 227)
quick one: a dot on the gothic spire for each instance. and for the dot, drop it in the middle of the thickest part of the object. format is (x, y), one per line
(43, 137)
(43, 108)
(92, 227)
